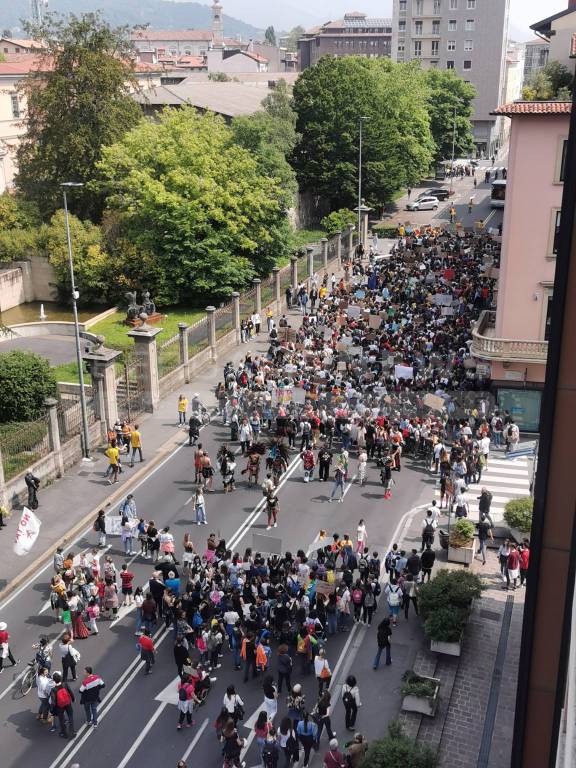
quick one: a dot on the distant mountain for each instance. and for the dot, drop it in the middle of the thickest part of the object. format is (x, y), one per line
(160, 14)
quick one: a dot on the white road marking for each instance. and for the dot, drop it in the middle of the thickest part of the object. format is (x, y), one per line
(143, 733)
(349, 485)
(196, 739)
(250, 723)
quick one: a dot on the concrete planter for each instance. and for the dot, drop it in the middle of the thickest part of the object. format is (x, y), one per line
(518, 535)
(463, 555)
(423, 705)
(450, 649)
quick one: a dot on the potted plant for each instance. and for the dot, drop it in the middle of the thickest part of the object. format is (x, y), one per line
(420, 693)
(445, 629)
(462, 544)
(518, 515)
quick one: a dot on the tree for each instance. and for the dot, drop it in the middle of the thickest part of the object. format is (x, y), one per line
(554, 82)
(398, 749)
(330, 97)
(292, 39)
(17, 213)
(449, 92)
(78, 100)
(26, 380)
(185, 192)
(270, 36)
(338, 221)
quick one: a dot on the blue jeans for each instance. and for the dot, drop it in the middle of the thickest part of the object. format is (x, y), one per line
(200, 513)
(332, 619)
(91, 710)
(138, 619)
(378, 654)
(128, 544)
(237, 657)
(482, 549)
(149, 625)
(337, 484)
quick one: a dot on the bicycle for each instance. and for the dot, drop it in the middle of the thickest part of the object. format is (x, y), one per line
(29, 679)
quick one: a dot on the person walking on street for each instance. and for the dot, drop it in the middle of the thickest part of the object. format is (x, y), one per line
(147, 650)
(62, 699)
(112, 453)
(32, 485)
(284, 668)
(5, 651)
(334, 758)
(90, 690)
(307, 732)
(429, 525)
(44, 685)
(182, 409)
(324, 461)
(69, 656)
(233, 704)
(410, 592)
(383, 639)
(322, 712)
(200, 506)
(136, 444)
(427, 559)
(339, 478)
(322, 671)
(484, 533)
(272, 510)
(351, 701)
(356, 751)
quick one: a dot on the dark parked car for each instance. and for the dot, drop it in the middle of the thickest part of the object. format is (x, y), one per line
(440, 193)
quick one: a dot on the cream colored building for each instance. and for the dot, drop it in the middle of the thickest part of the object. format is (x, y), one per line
(558, 30)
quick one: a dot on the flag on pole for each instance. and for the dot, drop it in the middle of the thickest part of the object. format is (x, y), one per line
(27, 532)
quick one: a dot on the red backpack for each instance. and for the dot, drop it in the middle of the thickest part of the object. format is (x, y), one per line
(63, 698)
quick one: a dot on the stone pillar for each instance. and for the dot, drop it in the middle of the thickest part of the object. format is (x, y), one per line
(184, 358)
(54, 434)
(350, 245)
(310, 260)
(147, 357)
(3, 490)
(277, 295)
(211, 325)
(257, 283)
(101, 363)
(294, 272)
(338, 248)
(324, 243)
(236, 314)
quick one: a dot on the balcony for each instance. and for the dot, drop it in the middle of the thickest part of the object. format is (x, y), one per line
(486, 347)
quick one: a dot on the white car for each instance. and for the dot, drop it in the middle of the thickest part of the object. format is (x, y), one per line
(424, 204)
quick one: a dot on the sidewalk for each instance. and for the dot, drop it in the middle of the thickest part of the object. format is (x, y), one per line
(475, 719)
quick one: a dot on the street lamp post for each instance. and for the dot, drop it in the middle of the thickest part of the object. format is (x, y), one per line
(361, 124)
(453, 150)
(75, 295)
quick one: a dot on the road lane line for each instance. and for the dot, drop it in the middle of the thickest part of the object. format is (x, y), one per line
(196, 739)
(143, 733)
(349, 485)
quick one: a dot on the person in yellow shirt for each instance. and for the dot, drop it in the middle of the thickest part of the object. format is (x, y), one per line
(113, 455)
(182, 408)
(135, 444)
(322, 292)
(269, 319)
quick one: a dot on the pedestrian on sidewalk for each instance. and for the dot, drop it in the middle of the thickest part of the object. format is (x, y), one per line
(356, 751)
(334, 758)
(524, 553)
(513, 572)
(383, 639)
(90, 690)
(182, 409)
(503, 552)
(113, 455)
(32, 484)
(427, 560)
(429, 525)
(136, 444)
(194, 425)
(484, 533)
(5, 651)
(410, 594)
(351, 701)
(393, 594)
(62, 699)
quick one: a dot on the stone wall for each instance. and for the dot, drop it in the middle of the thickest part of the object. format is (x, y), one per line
(11, 288)
(24, 281)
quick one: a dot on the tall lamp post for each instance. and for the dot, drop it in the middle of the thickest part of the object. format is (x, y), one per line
(361, 124)
(453, 151)
(75, 295)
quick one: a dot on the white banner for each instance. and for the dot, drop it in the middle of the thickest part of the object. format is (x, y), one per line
(27, 532)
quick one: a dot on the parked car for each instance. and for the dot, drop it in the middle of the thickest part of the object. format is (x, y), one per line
(441, 193)
(424, 204)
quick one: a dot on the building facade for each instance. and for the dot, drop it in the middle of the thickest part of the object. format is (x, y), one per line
(559, 30)
(536, 53)
(514, 339)
(354, 35)
(467, 36)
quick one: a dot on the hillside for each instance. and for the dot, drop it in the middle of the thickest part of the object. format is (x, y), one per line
(160, 14)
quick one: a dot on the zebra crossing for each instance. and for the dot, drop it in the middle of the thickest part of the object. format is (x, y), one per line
(505, 479)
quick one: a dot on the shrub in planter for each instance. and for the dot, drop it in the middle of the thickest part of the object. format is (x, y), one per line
(462, 533)
(518, 513)
(448, 588)
(414, 685)
(396, 750)
(446, 625)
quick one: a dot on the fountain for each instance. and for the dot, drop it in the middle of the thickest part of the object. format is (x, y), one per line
(43, 315)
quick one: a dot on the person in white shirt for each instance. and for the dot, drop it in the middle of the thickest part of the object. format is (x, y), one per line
(438, 448)
(361, 536)
(44, 683)
(485, 449)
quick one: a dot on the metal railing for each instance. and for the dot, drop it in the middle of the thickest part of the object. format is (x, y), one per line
(69, 414)
(512, 350)
(197, 337)
(22, 444)
(168, 356)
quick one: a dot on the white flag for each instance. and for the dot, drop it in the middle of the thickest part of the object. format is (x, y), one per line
(27, 533)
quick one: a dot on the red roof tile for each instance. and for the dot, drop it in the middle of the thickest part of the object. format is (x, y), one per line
(534, 108)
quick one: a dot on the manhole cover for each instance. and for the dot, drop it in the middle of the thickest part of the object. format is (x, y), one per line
(492, 615)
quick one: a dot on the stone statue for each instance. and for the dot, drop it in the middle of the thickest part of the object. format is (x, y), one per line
(134, 308)
(148, 305)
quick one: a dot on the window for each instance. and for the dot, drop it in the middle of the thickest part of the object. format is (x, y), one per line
(437, 8)
(401, 27)
(417, 29)
(15, 105)
(468, 45)
(470, 25)
(471, 5)
(467, 64)
(451, 45)
(452, 26)
(562, 164)
(419, 8)
(556, 232)
(453, 5)
(449, 65)
(548, 313)
(435, 47)
(402, 8)
(401, 47)
(417, 49)
(436, 27)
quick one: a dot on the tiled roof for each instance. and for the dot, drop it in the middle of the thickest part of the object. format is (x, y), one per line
(23, 65)
(158, 35)
(534, 108)
(22, 43)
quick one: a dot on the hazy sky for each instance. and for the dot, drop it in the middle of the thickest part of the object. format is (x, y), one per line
(288, 13)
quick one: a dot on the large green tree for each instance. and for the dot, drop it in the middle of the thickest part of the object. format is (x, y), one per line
(552, 82)
(329, 99)
(270, 36)
(183, 190)
(78, 100)
(450, 100)
(292, 39)
(26, 380)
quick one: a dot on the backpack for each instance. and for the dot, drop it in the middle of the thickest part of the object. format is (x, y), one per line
(63, 698)
(269, 754)
(182, 695)
(369, 599)
(429, 532)
(347, 699)
(394, 596)
(357, 596)
(498, 425)
(390, 561)
(301, 648)
(362, 564)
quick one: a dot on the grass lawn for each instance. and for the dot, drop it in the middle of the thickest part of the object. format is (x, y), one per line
(115, 332)
(302, 237)
(69, 372)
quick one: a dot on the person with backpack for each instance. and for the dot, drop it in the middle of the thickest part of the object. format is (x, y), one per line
(512, 436)
(270, 750)
(284, 667)
(232, 746)
(62, 699)
(186, 700)
(99, 527)
(90, 690)
(429, 526)
(427, 559)
(351, 701)
(393, 594)
(357, 600)
(288, 742)
(307, 732)
(390, 563)
(369, 605)
(383, 636)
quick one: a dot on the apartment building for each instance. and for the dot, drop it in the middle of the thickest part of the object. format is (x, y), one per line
(514, 339)
(559, 30)
(536, 53)
(355, 35)
(467, 36)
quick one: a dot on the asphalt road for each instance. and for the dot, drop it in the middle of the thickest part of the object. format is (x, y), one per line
(135, 727)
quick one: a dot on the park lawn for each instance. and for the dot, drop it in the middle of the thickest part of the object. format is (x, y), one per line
(68, 372)
(116, 333)
(303, 237)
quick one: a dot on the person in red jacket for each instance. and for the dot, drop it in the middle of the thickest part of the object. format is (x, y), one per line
(513, 567)
(524, 554)
(5, 652)
(127, 577)
(147, 650)
(334, 758)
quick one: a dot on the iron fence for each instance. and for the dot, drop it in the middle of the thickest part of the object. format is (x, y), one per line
(197, 337)
(22, 444)
(224, 320)
(69, 414)
(168, 356)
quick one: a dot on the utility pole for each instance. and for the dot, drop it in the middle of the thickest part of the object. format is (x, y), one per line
(361, 124)
(453, 150)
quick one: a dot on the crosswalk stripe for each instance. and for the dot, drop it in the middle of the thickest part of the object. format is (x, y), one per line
(502, 480)
(504, 471)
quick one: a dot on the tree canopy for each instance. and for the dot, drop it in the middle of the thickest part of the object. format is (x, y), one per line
(398, 148)
(292, 39)
(554, 82)
(26, 380)
(270, 36)
(183, 190)
(78, 100)
(449, 92)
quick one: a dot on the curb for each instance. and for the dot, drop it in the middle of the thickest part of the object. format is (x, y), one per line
(168, 447)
